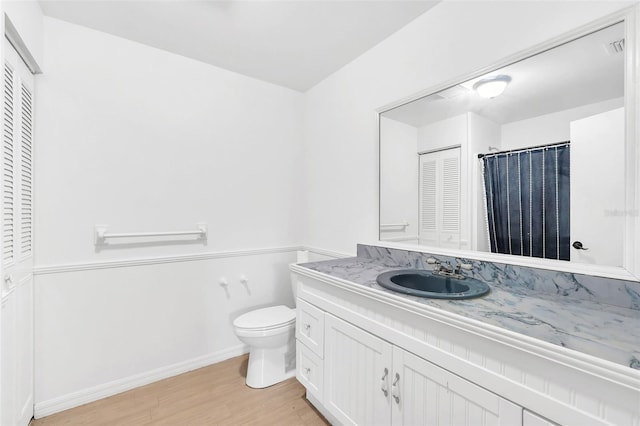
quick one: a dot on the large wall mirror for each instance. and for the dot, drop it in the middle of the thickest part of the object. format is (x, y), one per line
(528, 160)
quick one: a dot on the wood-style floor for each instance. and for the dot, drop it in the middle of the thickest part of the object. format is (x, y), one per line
(214, 395)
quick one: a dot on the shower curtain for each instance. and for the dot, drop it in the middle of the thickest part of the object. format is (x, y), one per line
(527, 194)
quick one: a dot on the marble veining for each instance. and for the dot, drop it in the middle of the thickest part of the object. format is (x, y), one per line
(625, 294)
(516, 303)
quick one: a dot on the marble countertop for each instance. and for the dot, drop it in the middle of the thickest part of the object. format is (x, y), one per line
(604, 331)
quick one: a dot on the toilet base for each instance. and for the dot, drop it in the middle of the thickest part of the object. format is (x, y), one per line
(270, 366)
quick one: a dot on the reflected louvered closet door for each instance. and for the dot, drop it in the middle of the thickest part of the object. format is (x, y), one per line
(428, 200)
(439, 201)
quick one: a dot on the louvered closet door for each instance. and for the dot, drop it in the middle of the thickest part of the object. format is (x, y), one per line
(439, 200)
(16, 323)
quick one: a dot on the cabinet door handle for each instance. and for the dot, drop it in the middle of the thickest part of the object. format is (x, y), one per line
(8, 281)
(307, 328)
(395, 389)
(384, 385)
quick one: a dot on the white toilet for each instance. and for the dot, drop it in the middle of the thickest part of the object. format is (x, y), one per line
(270, 335)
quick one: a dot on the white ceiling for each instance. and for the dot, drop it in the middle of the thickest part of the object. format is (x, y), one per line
(295, 43)
(578, 73)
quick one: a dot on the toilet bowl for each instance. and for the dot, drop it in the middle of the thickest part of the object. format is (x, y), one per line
(270, 335)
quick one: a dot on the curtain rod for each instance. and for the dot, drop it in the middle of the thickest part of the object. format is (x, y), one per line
(530, 148)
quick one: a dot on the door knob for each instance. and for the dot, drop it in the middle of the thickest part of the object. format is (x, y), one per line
(578, 246)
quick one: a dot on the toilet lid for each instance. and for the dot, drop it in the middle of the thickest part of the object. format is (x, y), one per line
(271, 317)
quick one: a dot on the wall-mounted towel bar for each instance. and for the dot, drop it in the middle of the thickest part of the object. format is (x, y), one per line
(101, 234)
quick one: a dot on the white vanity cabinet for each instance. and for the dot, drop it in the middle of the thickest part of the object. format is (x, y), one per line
(369, 381)
(368, 357)
(530, 419)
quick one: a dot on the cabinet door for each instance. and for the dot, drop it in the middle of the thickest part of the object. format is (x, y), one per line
(424, 394)
(357, 369)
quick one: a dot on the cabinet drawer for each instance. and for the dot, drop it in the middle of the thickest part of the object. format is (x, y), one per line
(310, 327)
(310, 371)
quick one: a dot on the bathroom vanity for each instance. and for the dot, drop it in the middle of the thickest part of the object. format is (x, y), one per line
(367, 355)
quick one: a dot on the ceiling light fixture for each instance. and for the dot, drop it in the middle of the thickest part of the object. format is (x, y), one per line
(491, 87)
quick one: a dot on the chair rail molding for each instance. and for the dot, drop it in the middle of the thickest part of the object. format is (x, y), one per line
(157, 260)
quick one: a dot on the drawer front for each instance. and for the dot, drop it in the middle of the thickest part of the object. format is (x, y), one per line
(310, 327)
(310, 371)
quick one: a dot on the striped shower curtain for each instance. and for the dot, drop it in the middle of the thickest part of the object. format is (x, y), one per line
(527, 194)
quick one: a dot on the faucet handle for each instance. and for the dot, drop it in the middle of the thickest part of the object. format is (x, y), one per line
(466, 266)
(435, 262)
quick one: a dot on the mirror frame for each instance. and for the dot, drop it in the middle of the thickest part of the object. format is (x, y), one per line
(630, 270)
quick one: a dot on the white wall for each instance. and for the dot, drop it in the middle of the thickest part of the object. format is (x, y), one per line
(443, 134)
(452, 39)
(102, 331)
(550, 128)
(142, 140)
(399, 179)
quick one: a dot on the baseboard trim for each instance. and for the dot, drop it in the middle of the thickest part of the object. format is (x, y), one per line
(126, 263)
(75, 399)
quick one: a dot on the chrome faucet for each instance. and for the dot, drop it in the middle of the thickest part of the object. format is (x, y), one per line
(445, 268)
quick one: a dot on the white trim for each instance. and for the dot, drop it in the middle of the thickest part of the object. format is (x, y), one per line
(571, 358)
(631, 262)
(619, 16)
(84, 396)
(11, 33)
(632, 109)
(330, 253)
(106, 264)
(157, 260)
(402, 238)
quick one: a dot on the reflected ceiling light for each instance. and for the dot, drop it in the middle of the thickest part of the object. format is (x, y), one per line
(491, 87)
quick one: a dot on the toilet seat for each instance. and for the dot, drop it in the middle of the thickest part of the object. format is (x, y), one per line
(266, 319)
